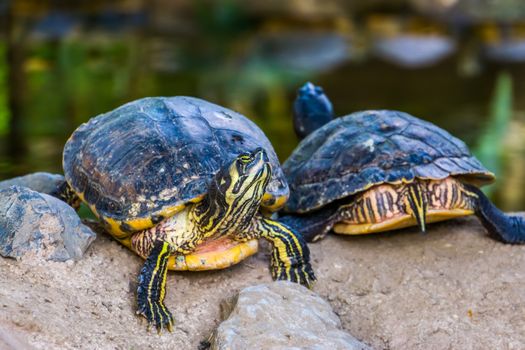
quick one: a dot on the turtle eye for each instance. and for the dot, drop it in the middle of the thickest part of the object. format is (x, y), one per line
(245, 158)
(114, 207)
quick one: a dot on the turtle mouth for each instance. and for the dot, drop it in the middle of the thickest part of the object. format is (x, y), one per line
(272, 202)
(214, 254)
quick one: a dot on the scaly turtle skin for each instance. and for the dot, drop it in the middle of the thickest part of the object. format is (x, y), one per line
(381, 170)
(180, 182)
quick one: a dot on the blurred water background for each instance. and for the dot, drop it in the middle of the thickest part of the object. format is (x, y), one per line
(457, 63)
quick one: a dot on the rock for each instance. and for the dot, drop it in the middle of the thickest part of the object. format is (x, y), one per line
(40, 182)
(36, 223)
(10, 340)
(282, 315)
(451, 288)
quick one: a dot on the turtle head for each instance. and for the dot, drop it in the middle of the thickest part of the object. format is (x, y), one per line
(312, 109)
(245, 179)
(235, 194)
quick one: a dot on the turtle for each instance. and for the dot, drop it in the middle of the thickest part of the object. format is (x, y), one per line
(187, 185)
(381, 170)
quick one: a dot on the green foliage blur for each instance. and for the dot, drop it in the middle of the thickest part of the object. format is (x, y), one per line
(491, 142)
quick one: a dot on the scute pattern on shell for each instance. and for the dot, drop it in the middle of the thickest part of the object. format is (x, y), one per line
(366, 148)
(158, 152)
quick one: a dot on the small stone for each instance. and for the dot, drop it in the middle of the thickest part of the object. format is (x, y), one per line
(41, 225)
(282, 315)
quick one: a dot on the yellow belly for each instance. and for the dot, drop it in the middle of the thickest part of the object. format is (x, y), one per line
(214, 254)
(217, 254)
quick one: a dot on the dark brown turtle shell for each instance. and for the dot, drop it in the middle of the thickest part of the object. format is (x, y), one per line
(145, 160)
(352, 153)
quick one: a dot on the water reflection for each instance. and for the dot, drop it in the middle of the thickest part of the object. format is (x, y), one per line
(409, 42)
(61, 65)
(504, 43)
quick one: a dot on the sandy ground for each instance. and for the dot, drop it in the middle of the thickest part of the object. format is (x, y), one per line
(452, 288)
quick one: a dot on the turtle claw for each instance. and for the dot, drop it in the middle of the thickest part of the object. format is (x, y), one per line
(294, 270)
(290, 260)
(157, 315)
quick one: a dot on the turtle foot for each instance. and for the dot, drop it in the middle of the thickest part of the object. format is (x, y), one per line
(294, 270)
(156, 314)
(152, 288)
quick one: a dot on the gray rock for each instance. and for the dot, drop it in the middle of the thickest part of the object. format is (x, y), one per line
(10, 340)
(38, 224)
(40, 182)
(282, 315)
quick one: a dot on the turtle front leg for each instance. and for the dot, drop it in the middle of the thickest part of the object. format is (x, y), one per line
(171, 236)
(152, 287)
(290, 260)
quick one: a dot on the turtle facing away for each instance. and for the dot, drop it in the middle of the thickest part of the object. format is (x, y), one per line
(382, 170)
(180, 182)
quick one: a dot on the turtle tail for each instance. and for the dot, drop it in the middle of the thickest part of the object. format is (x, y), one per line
(65, 193)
